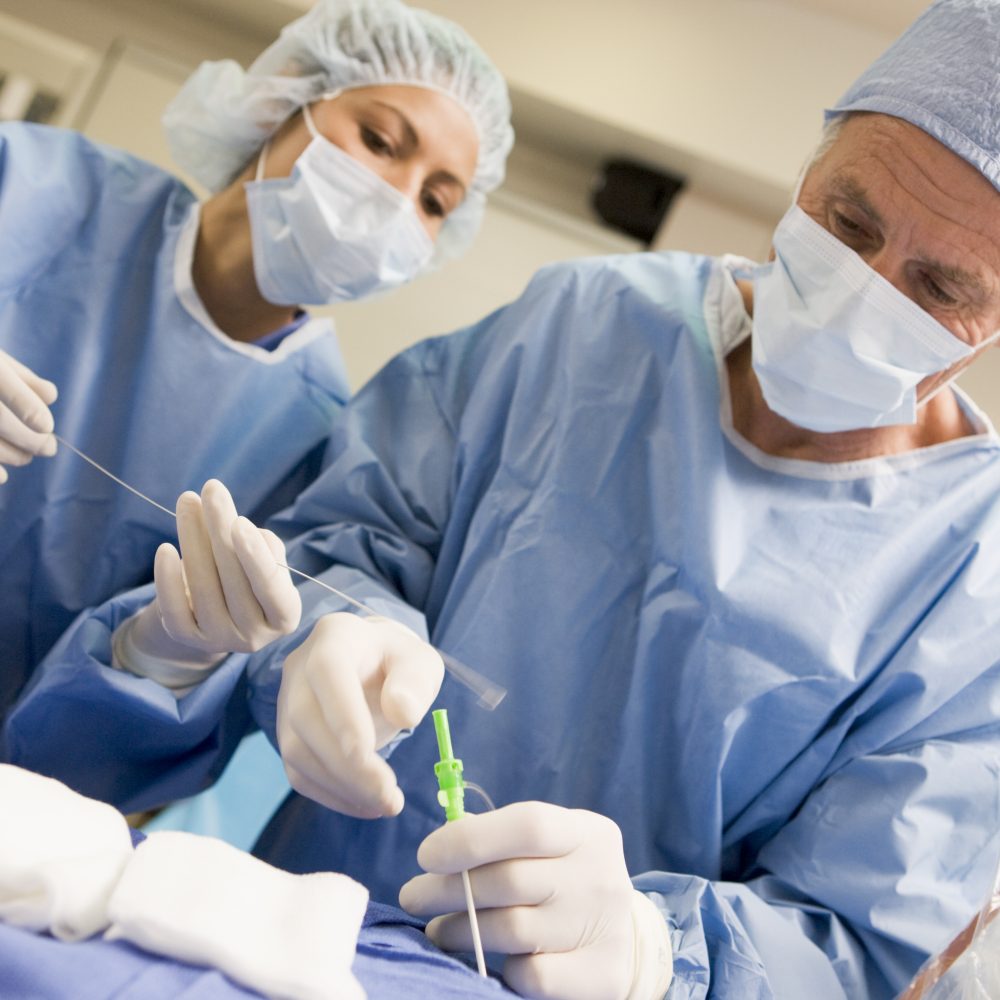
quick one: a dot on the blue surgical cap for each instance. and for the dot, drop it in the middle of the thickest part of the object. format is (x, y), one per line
(942, 75)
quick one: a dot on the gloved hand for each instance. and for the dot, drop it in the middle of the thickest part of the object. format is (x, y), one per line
(26, 423)
(223, 593)
(345, 693)
(553, 893)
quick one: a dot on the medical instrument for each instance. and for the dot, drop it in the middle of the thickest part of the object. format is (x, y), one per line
(488, 694)
(451, 796)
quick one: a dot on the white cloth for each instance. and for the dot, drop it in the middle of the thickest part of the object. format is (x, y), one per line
(203, 901)
(61, 856)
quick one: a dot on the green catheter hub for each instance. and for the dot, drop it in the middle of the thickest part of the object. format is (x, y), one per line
(451, 786)
(451, 795)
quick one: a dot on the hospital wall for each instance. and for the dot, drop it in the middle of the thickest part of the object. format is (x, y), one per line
(726, 93)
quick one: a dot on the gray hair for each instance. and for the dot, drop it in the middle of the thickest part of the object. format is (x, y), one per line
(830, 134)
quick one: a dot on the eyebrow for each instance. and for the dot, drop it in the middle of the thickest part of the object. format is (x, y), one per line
(411, 141)
(847, 187)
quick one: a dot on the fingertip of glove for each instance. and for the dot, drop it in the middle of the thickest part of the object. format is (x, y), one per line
(40, 420)
(402, 709)
(396, 802)
(407, 896)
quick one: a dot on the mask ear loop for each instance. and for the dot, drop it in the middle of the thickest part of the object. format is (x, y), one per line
(310, 124)
(261, 160)
(327, 95)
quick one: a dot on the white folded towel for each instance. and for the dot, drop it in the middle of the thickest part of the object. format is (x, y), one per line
(203, 901)
(61, 855)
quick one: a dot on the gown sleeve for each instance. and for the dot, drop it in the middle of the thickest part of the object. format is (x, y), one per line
(117, 737)
(849, 897)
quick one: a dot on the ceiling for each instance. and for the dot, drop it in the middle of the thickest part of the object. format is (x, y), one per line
(891, 16)
(541, 113)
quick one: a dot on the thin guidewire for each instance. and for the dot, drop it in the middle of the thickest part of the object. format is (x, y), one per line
(489, 694)
(111, 475)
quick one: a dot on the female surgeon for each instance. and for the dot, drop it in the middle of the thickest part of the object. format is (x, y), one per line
(166, 338)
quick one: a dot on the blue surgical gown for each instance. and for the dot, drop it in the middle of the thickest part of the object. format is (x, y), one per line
(779, 677)
(96, 295)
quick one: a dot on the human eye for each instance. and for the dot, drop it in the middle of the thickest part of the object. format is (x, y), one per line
(848, 227)
(376, 142)
(936, 292)
(433, 205)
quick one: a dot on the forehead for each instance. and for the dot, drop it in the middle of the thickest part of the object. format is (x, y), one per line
(443, 128)
(909, 181)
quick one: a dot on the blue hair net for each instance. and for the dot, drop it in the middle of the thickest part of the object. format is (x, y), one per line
(224, 114)
(942, 75)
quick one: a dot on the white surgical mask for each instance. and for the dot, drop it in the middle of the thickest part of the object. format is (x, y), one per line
(333, 231)
(836, 347)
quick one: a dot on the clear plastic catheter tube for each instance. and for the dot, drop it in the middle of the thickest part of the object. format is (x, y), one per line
(489, 695)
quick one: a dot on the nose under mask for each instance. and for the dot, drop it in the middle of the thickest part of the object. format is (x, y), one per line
(332, 231)
(835, 346)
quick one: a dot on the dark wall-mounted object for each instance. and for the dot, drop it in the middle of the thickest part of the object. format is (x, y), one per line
(634, 198)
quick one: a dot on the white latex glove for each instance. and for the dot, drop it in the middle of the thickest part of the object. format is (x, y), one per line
(223, 593)
(26, 423)
(552, 892)
(346, 692)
